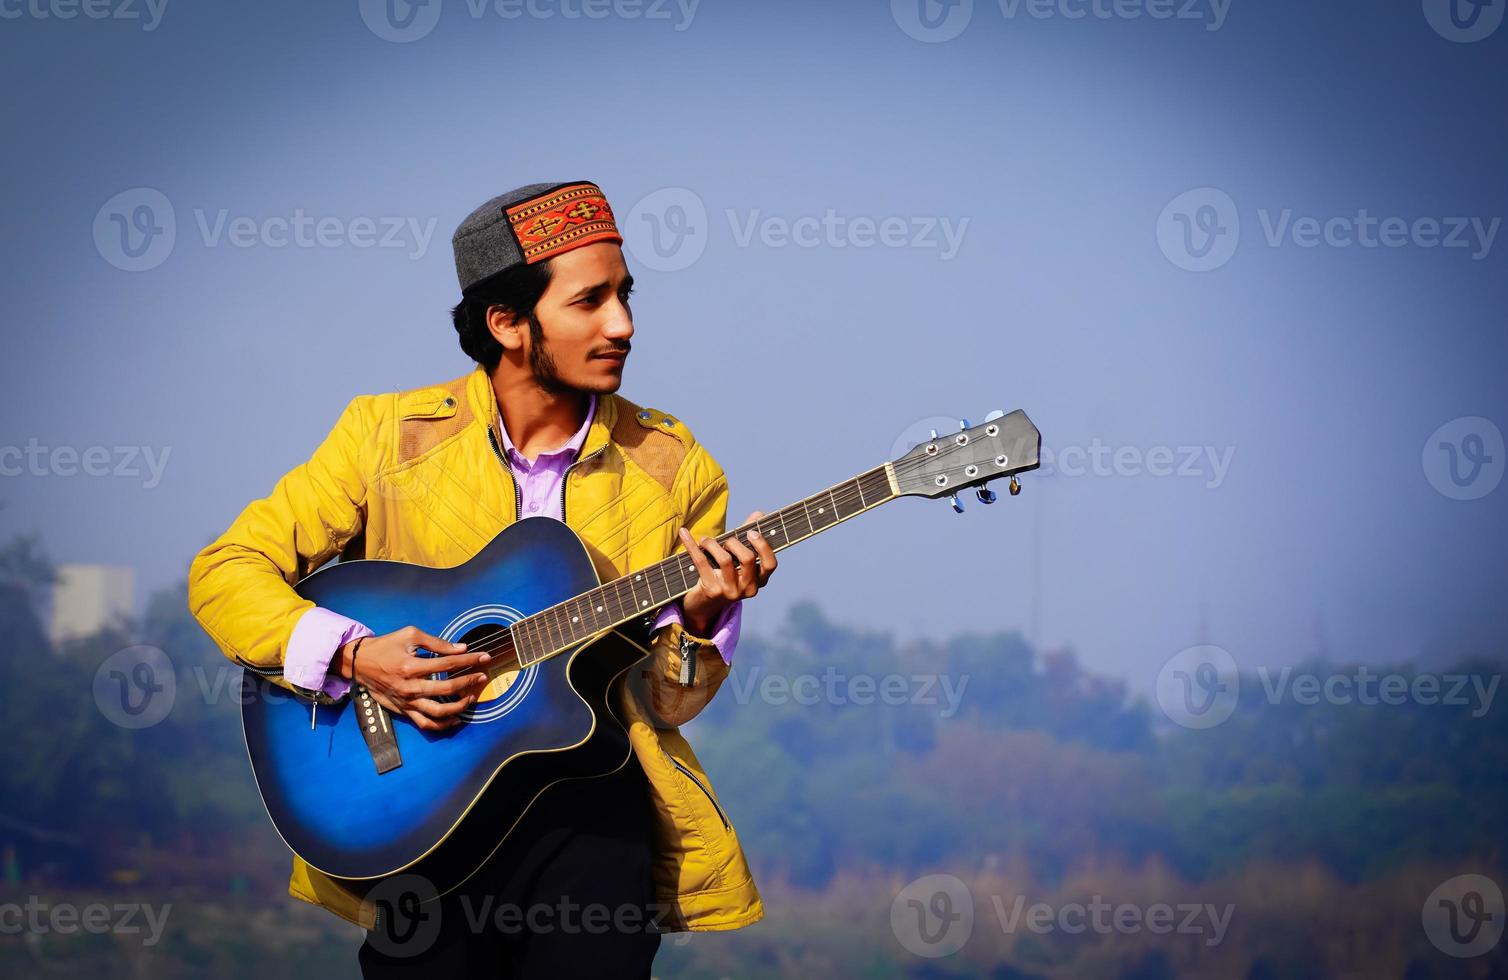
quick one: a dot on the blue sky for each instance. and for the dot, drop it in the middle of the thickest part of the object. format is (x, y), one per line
(1253, 249)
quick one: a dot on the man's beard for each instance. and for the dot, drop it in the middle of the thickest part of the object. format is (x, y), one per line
(542, 363)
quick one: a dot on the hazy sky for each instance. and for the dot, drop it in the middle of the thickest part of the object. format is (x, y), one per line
(225, 220)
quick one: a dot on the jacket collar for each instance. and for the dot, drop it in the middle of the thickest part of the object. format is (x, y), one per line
(484, 406)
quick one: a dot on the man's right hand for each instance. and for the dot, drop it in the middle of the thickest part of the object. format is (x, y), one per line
(400, 680)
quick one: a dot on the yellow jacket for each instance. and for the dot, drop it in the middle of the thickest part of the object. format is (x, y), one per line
(413, 476)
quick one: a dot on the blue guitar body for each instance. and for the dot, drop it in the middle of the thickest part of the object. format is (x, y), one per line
(457, 794)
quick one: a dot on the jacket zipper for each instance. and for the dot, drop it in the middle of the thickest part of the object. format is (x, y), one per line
(518, 495)
(567, 474)
(518, 506)
(319, 697)
(708, 793)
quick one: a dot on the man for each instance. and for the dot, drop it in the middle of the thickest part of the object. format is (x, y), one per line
(430, 476)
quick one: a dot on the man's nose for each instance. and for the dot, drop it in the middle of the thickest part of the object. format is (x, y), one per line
(620, 326)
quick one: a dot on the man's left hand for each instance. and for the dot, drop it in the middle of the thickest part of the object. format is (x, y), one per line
(739, 573)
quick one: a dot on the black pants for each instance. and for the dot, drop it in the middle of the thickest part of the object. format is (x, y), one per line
(569, 894)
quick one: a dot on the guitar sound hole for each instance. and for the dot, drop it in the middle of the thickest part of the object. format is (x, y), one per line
(503, 668)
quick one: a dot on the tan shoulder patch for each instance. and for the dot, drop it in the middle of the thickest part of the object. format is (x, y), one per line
(656, 442)
(429, 416)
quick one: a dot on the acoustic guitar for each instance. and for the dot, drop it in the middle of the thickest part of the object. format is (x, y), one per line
(362, 797)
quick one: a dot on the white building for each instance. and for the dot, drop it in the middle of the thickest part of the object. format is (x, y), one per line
(88, 598)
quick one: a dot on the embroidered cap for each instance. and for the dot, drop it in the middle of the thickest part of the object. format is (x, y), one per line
(528, 225)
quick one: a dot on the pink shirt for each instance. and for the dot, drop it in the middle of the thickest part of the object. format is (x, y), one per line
(320, 633)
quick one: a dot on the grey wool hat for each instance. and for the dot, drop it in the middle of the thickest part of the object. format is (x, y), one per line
(528, 225)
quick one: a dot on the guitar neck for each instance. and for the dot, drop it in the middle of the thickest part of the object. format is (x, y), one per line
(563, 626)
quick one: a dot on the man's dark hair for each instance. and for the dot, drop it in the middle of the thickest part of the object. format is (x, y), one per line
(518, 290)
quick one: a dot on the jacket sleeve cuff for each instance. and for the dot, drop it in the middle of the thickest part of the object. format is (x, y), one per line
(725, 629)
(317, 637)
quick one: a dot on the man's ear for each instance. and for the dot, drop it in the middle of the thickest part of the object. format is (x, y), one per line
(506, 327)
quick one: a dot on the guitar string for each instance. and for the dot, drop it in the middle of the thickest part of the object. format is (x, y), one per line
(851, 491)
(846, 495)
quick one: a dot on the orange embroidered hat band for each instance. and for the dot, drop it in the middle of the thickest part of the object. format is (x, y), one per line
(531, 224)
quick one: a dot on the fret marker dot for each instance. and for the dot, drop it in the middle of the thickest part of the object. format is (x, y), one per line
(575, 619)
(819, 510)
(599, 608)
(637, 577)
(643, 602)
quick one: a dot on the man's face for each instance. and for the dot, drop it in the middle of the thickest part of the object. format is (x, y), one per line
(584, 321)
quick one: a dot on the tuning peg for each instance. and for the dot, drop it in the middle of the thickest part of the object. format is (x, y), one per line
(933, 435)
(1015, 486)
(986, 495)
(957, 505)
(963, 424)
(996, 414)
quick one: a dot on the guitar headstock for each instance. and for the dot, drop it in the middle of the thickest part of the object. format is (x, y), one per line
(950, 462)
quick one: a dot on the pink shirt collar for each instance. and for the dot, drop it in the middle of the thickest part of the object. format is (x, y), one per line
(570, 449)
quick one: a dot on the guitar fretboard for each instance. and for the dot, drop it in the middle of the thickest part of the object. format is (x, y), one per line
(563, 626)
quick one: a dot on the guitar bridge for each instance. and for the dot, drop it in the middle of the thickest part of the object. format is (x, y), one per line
(377, 729)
